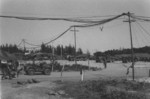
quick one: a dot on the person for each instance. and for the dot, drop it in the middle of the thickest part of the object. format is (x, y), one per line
(16, 68)
(5, 71)
(105, 62)
(19, 69)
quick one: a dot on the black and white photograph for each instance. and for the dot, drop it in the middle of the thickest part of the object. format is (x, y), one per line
(74, 49)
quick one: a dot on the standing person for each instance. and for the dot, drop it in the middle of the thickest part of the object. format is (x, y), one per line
(105, 62)
(9, 69)
(2, 66)
(17, 68)
(5, 70)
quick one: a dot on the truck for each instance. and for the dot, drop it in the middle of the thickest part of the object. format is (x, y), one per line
(42, 68)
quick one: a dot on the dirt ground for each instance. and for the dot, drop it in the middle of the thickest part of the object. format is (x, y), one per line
(42, 86)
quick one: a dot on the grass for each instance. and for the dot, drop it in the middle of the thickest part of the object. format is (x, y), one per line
(106, 89)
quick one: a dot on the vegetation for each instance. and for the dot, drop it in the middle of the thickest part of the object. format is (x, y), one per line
(67, 50)
(11, 48)
(107, 89)
(70, 50)
(113, 52)
(78, 67)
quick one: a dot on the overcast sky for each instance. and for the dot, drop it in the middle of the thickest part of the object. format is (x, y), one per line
(114, 35)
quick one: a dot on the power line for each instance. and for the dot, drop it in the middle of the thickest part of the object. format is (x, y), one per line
(59, 36)
(140, 18)
(143, 16)
(19, 44)
(100, 22)
(85, 25)
(96, 16)
(89, 23)
(31, 44)
(50, 40)
(145, 37)
(143, 28)
(136, 36)
(42, 19)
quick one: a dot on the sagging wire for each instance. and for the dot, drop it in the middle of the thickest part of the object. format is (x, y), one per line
(96, 16)
(143, 29)
(89, 23)
(37, 46)
(58, 36)
(42, 19)
(141, 18)
(144, 37)
(136, 37)
(100, 22)
(31, 44)
(85, 25)
(19, 44)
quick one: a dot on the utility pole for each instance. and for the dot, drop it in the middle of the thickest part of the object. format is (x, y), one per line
(62, 69)
(132, 52)
(75, 44)
(88, 58)
(61, 51)
(53, 53)
(131, 46)
(81, 71)
(23, 40)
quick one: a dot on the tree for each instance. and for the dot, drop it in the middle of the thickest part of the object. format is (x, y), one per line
(58, 50)
(43, 47)
(79, 52)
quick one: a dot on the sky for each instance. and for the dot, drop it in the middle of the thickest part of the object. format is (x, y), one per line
(115, 34)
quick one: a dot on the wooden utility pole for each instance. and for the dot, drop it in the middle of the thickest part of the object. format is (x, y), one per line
(88, 57)
(81, 71)
(63, 64)
(61, 51)
(132, 52)
(53, 53)
(23, 40)
(75, 44)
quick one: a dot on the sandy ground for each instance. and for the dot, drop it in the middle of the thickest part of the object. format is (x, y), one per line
(44, 89)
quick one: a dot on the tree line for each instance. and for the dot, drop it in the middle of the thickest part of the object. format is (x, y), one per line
(58, 50)
(145, 49)
(70, 50)
(11, 48)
